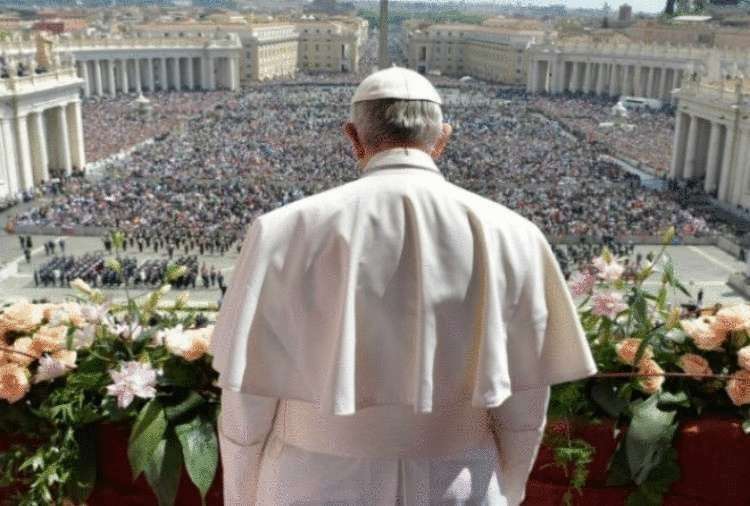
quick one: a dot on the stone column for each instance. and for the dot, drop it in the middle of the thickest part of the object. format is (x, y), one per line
(727, 173)
(613, 80)
(176, 74)
(85, 76)
(211, 74)
(39, 158)
(9, 154)
(124, 76)
(138, 88)
(163, 78)
(150, 75)
(638, 81)
(98, 78)
(75, 129)
(63, 140)
(111, 75)
(691, 147)
(26, 179)
(234, 74)
(678, 146)
(626, 88)
(190, 74)
(650, 83)
(585, 85)
(573, 86)
(712, 160)
(665, 84)
(740, 163)
(532, 76)
(600, 78)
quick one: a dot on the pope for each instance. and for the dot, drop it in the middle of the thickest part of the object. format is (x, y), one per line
(391, 340)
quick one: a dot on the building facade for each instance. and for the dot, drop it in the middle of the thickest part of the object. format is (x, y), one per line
(147, 64)
(644, 70)
(704, 34)
(712, 138)
(492, 53)
(267, 50)
(331, 45)
(41, 131)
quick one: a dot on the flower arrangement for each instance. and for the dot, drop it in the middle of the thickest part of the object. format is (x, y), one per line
(66, 367)
(659, 364)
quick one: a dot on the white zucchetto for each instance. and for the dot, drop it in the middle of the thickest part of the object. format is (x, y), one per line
(396, 82)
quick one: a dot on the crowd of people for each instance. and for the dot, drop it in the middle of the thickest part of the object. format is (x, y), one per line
(93, 268)
(200, 185)
(649, 142)
(112, 124)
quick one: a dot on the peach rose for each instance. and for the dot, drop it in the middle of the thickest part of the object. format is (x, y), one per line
(704, 332)
(197, 347)
(14, 382)
(650, 384)
(738, 388)
(627, 349)
(67, 312)
(49, 339)
(20, 317)
(22, 345)
(743, 358)
(694, 364)
(735, 317)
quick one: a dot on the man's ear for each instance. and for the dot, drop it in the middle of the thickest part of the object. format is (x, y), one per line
(442, 141)
(351, 132)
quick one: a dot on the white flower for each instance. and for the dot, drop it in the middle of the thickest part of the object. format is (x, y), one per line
(609, 268)
(94, 313)
(160, 338)
(84, 337)
(51, 367)
(124, 330)
(134, 379)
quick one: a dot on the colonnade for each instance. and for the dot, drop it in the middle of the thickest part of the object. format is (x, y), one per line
(698, 151)
(40, 142)
(612, 78)
(113, 75)
(712, 140)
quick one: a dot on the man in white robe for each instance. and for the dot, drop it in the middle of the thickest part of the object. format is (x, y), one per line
(391, 340)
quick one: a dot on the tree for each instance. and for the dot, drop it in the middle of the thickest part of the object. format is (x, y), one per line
(669, 8)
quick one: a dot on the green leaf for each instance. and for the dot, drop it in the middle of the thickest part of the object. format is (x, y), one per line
(605, 395)
(192, 401)
(164, 469)
(180, 373)
(83, 475)
(147, 432)
(200, 449)
(651, 492)
(670, 399)
(619, 473)
(649, 435)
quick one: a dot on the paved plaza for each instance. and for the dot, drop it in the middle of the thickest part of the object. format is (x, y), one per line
(706, 267)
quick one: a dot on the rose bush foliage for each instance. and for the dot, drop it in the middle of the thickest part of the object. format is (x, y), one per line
(66, 367)
(659, 363)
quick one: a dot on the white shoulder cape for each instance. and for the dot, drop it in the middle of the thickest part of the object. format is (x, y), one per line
(401, 289)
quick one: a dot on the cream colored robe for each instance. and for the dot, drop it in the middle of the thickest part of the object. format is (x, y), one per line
(402, 302)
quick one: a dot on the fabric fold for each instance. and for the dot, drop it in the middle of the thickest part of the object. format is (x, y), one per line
(398, 288)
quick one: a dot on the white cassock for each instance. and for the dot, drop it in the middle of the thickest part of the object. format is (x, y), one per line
(391, 341)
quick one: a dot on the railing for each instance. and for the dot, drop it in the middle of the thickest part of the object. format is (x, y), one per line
(730, 91)
(146, 42)
(17, 84)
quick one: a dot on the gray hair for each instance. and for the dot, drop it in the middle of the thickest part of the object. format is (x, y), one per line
(412, 122)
